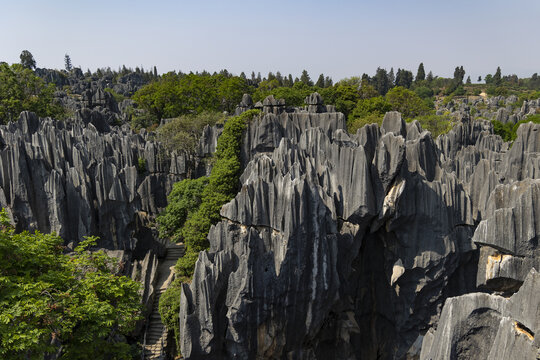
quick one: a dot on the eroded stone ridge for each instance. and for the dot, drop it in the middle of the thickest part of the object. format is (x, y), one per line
(341, 245)
(72, 179)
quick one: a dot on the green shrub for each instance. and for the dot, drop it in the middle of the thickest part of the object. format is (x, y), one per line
(117, 97)
(460, 91)
(76, 299)
(407, 102)
(184, 200)
(186, 265)
(169, 308)
(508, 131)
(353, 124)
(424, 92)
(141, 165)
(436, 124)
(183, 133)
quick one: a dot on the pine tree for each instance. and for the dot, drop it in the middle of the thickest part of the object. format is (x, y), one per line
(459, 74)
(380, 81)
(468, 82)
(479, 78)
(155, 71)
(305, 78)
(279, 78)
(391, 77)
(67, 63)
(328, 82)
(429, 77)
(421, 73)
(320, 81)
(497, 78)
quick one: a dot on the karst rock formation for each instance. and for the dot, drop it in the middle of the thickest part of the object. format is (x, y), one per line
(384, 244)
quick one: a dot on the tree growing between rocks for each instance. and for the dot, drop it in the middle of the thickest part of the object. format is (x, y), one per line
(74, 306)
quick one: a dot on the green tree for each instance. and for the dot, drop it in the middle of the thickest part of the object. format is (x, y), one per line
(459, 74)
(420, 73)
(407, 102)
(183, 133)
(21, 89)
(380, 81)
(497, 78)
(52, 303)
(404, 78)
(27, 60)
(305, 78)
(67, 63)
(320, 81)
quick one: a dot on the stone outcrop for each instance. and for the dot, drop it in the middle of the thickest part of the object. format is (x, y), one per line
(76, 180)
(348, 246)
(337, 245)
(484, 326)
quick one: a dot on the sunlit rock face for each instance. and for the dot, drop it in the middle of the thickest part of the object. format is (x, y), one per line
(347, 246)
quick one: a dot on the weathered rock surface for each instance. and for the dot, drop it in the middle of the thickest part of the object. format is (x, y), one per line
(71, 178)
(336, 246)
(484, 326)
(341, 246)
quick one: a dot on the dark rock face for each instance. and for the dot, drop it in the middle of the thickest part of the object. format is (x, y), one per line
(346, 246)
(76, 180)
(484, 326)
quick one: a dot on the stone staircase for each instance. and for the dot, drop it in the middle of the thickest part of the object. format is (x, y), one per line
(156, 333)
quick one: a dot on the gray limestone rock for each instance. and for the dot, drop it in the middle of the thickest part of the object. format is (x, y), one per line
(335, 223)
(75, 180)
(484, 326)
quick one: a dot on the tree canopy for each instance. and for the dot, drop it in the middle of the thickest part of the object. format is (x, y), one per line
(21, 89)
(27, 60)
(74, 305)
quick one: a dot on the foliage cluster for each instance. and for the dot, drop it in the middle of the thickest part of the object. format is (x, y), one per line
(508, 131)
(221, 188)
(372, 110)
(169, 308)
(52, 303)
(21, 89)
(183, 133)
(194, 205)
(174, 94)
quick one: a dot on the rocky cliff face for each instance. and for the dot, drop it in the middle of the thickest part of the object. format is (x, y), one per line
(341, 246)
(75, 180)
(363, 246)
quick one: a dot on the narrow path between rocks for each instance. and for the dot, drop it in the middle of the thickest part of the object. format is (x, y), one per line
(156, 333)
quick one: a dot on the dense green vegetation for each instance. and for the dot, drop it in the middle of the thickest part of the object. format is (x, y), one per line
(182, 219)
(73, 305)
(183, 133)
(181, 94)
(184, 199)
(508, 131)
(21, 90)
(194, 205)
(169, 308)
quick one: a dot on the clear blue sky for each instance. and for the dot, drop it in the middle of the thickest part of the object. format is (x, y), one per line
(338, 38)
